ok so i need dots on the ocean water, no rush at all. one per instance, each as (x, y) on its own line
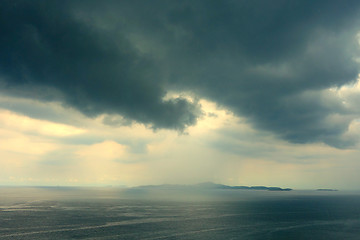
(70, 213)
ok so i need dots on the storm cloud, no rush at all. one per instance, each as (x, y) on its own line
(271, 62)
(47, 53)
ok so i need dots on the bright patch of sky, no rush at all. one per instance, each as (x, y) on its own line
(39, 152)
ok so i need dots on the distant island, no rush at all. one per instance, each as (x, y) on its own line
(327, 190)
(209, 186)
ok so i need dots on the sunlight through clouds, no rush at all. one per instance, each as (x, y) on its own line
(155, 92)
(22, 123)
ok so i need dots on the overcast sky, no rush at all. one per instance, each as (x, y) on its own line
(152, 92)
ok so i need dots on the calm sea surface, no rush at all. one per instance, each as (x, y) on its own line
(50, 213)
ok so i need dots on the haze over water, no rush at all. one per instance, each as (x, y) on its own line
(111, 213)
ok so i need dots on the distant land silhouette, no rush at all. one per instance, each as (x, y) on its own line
(210, 185)
(327, 190)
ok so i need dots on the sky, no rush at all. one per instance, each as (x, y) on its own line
(129, 93)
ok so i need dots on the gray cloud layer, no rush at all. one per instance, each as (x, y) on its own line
(265, 60)
(44, 46)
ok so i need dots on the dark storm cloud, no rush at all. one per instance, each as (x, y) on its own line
(44, 47)
(266, 60)
(261, 58)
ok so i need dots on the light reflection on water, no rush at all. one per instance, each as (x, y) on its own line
(98, 214)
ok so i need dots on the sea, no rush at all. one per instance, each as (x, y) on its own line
(113, 213)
